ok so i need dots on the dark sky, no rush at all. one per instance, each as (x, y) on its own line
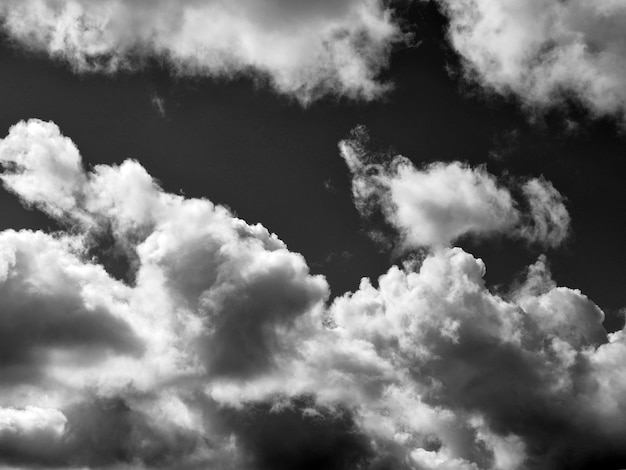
(145, 330)
(274, 162)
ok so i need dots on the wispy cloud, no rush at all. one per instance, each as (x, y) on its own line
(303, 49)
(544, 51)
(158, 102)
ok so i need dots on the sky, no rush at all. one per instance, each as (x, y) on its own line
(289, 234)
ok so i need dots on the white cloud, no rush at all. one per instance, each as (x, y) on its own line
(545, 50)
(490, 370)
(442, 202)
(549, 219)
(222, 351)
(305, 49)
(31, 420)
(212, 297)
(444, 374)
(46, 167)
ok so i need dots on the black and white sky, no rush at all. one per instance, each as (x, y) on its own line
(323, 234)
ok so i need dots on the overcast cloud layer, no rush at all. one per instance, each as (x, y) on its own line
(545, 50)
(220, 349)
(304, 49)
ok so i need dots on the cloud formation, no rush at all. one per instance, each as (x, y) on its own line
(442, 202)
(210, 297)
(304, 49)
(221, 350)
(544, 51)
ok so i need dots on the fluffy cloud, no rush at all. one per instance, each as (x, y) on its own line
(49, 165)
(506, 382)
(442, 202)
(305, 49)
(443, 374)
(220, 350)
(210, 296)
(546, 50)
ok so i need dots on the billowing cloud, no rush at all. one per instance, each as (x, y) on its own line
(544, 51)
(443, 374)
(442, 202)
(218, 349)
(304, 49)
(210, 296)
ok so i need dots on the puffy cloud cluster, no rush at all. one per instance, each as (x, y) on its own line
(220, 350)
(487, 381)
(443, 374)
(210, 297)
(545, 50)
(305, 49)
(442, 202)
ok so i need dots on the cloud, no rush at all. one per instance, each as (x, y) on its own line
(158, 103)
(442, 202)
(544, 51)
(548, 219)
(304, 49)
(32, 430)
(47, 167)
(501, 382)
(443, 374)
(51, 304)
(210, 297)
(219, 349)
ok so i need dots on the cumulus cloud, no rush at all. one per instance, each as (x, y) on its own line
(47, 167)
(304, 49)
(219, 349)
(443, 374)
(544, 51)
(210, 297)
(442, 202)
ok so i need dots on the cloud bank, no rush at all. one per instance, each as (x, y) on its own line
(220, 350)
(442, 202)
(544, 51)
(304, 49)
